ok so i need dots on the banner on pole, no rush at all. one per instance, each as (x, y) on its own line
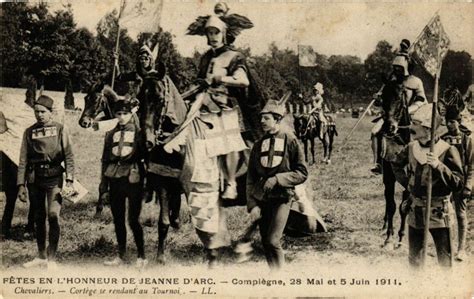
(432, 39)
(141, 15)
(306, 56)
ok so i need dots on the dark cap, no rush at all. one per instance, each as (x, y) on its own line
(45, 101)
(123, 106)
(452, 113)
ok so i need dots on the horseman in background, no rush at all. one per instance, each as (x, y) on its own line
(402, 66)
(318, 108)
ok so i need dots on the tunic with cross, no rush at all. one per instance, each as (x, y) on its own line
(275, 155)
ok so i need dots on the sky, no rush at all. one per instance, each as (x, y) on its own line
(330, 27)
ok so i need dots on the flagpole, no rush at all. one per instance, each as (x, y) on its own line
(117, 41)
(429, 189)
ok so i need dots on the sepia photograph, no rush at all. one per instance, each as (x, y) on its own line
(236, 148)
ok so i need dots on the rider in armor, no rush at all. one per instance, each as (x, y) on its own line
(223, 77)
(414, 92)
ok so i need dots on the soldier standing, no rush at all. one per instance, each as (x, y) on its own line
(461, 138)
(45, 146)
(447, 178)
(276, 166)
(122, 164)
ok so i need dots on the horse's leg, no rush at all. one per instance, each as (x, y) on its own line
(164, 220)
(325, 148)
(389, 193)
(330, 135)
(404, 209)
(305, 142)
(312, 150)
(175, 203)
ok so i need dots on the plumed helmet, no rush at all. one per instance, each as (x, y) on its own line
(145, 51)
(216, 22)
(401, 60)
(234, 23)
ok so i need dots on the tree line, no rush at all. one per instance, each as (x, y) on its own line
(44, 49)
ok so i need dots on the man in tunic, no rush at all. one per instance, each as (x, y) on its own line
(276, 166)
(45, 145)
(459, 137)
(411, 171)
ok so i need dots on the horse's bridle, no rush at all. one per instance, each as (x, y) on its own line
(102, 104)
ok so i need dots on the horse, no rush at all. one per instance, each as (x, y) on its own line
(149, 117)
(307, 129)
(395, 135)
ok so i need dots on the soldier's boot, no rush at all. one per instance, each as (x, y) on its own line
(230, 164)
(243, 250)
(212, 256)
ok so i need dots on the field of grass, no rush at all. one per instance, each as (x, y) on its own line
(345, 193)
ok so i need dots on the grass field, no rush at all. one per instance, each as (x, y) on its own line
(345, 193)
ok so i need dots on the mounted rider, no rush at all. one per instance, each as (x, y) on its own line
(414, 94)
(223, 78)
(318, 108)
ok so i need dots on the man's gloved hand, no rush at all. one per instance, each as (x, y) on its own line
(270, 184)
(22, 194)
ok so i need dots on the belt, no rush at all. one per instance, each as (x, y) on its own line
(435, 200)
(45, 165)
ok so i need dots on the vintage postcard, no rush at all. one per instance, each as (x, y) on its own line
(236, 149)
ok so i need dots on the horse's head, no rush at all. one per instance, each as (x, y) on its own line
(301, 123)
(100, 98)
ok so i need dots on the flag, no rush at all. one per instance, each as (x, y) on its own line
(306, 56)
(432, 39)
(141, 15)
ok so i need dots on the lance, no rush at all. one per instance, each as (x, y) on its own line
(117, 42)
(355, 126)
